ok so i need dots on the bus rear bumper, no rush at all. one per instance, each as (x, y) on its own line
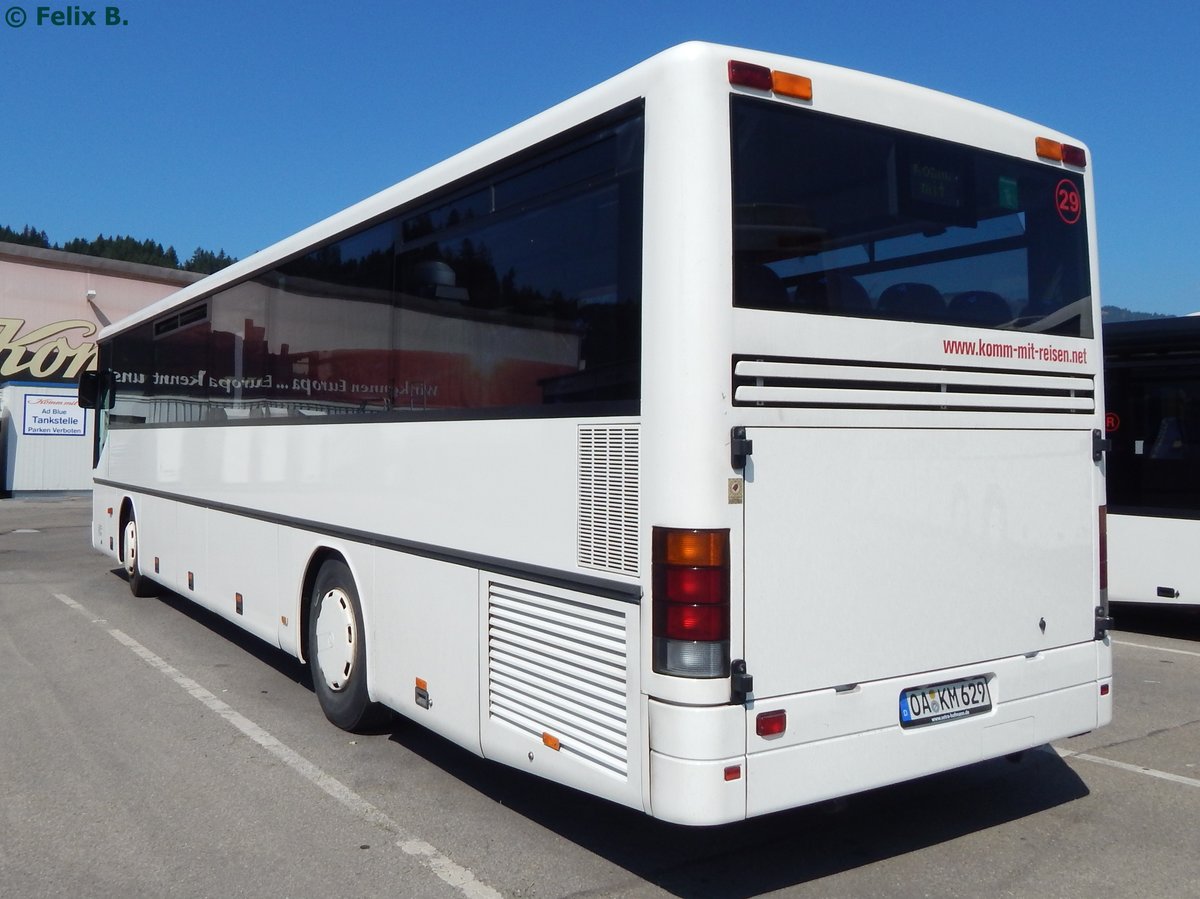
(708, 765)
(1048, 696)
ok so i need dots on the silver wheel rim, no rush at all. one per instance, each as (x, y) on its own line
(131, 548)
(336, 638)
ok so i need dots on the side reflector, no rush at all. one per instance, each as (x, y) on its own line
(1105, 689)
(552, 741)
(771, 724)
(733, 772)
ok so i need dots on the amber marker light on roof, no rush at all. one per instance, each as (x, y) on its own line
(792, 85)
(1049, 149)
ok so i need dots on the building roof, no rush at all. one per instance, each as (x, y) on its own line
(61, 259)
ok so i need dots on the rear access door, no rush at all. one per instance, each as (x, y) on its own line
(879, 552)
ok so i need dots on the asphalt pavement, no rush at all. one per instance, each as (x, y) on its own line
(147, 748)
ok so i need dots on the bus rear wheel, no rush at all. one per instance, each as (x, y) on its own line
(337, 654)
(139, 584)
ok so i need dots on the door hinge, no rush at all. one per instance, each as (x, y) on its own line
(1100, 445)
(740, 448)
(741, 684)
(1104, 622)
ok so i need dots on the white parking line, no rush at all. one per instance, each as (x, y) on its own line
(1178, 652)
(1125, 766)
(446, 869)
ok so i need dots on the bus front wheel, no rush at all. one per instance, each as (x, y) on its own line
(337, 655)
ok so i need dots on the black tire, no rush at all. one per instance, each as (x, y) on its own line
(337, 654)
(139, 584)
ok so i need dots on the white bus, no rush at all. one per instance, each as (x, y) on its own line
(1153, 468)
(721, 440)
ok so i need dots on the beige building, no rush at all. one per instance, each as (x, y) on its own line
(52, 306)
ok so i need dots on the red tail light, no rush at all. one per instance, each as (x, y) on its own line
(691, 602)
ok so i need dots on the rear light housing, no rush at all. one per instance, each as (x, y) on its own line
(691, 602)
(786, 84)
(1060, 152)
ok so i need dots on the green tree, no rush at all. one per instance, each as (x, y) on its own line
(28, 236)
(206, 261)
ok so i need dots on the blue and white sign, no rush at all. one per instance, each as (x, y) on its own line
(47, 415)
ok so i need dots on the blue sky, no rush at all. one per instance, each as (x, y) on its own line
(230, 125)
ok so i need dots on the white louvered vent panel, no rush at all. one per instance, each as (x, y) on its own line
(608, 498)
(559, 667)
(826, 384)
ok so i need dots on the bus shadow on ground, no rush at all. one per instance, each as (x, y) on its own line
(287, 665)
(776, 851)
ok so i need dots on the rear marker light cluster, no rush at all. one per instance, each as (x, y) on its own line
(691, 602)
(746, 74)
(1059, 152)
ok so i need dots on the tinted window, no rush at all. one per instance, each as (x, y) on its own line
(517, 294)
(1154, 425)
(835, 216)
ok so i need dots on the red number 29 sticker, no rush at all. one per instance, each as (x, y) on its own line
(1068, 201)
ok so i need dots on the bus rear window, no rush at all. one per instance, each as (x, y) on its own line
(840, 217)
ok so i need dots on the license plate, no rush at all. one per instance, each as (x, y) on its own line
(939, 703)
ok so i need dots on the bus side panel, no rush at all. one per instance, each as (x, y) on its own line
(425, 631)
(158, 539)
(1149, 560)
(242, 582)
(560, 687)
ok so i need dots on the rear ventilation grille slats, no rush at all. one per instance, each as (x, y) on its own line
(826, 384)
(560, 666)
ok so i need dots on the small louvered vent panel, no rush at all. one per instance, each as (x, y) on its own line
(608, 498)
(817, 383)
(559, 667)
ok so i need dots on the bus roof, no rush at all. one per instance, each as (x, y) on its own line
(874, 98)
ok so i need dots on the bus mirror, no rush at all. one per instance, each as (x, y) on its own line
(89, 389)
(95, 389)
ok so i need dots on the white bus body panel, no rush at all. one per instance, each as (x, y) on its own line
(1148, 554)
(959, 517)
